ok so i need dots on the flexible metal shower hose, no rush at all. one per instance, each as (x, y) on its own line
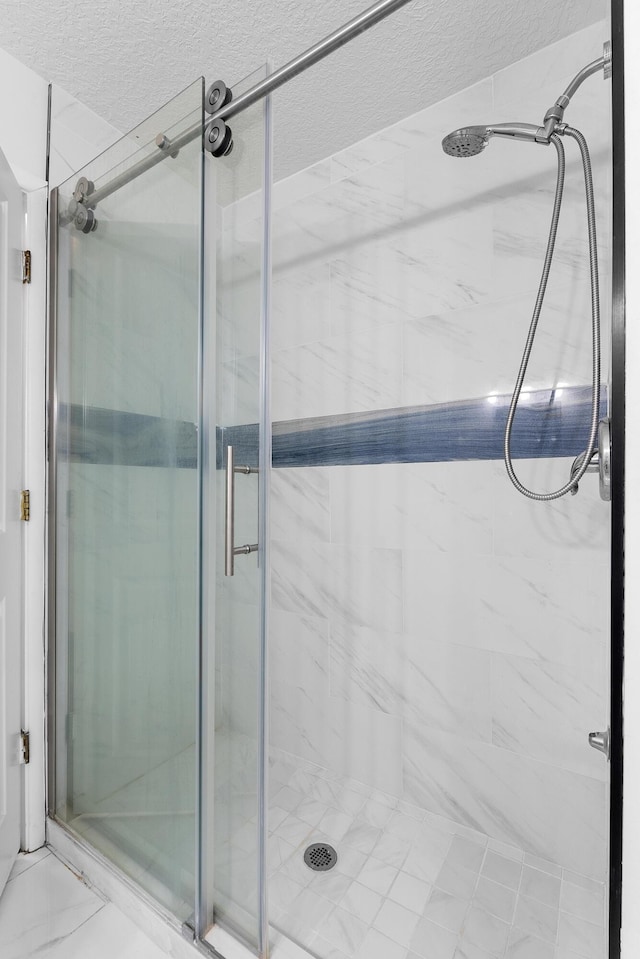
(595, 320)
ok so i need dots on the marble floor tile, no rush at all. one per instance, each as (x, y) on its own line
(345, 930)
(350, 862)
(324, 950)
(419, 886)
(467, 854)
(541, 886)
(495, 899)
(585, 903)
(107, 935)
(332, 885)
(378, 946)
(485, 931)
(392, 850)
(584, 938)
(466, 950)
(396, 922)
(536, 918)
(377, 875)
(505, 871)
(503, 849)
(445, 910)
(552, 868)
(46, 910)
(25, 861)
(456, 880)
(55, 901)
(524, 946)
(433, 942)
(363, 902)
(410, 892)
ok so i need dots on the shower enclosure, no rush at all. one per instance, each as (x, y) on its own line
(320, 676)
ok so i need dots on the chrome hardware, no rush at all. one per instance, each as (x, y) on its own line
(164, 143)
(81, 206)
(601, 742)
(600, 461)
(188, 929)
(218, 96)
(218, 139)
(230, 550)
(606, 57)
(84, 188)
(577, 464)
(604, 458)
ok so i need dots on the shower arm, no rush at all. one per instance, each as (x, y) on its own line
(555, 114)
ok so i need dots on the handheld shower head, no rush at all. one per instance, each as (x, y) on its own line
(469, 141)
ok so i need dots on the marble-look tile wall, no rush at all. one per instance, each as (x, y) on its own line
(433, 633)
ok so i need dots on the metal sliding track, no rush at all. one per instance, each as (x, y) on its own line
(368, 18)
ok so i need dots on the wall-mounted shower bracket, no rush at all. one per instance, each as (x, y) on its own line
(600, 461)
(218, 138)
(601, 742)
(604, 458)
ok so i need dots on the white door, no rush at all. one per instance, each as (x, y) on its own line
(11, 550)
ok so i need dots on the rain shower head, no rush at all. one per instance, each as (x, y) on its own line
(469, 141)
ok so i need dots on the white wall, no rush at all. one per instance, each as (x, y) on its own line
(23, 119)
(77, 134)
(23, 122)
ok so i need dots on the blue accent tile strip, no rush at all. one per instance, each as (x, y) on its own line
(549, 423)
(245, 441)
(89, 434)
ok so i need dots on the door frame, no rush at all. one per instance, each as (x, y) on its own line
(32, 833)
(617, 413)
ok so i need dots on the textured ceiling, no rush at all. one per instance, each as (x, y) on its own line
(124, 59)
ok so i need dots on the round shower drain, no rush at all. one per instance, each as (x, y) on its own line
(320, 856)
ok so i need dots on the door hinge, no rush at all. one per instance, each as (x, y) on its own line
(24, 747)
(25, 505)
(26, 266)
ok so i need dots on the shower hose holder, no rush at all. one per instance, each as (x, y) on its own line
(600, 461)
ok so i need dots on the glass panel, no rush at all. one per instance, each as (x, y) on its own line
(127, 510)
(234, 407)
(438, 643)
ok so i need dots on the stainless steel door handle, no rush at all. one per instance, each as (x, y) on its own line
(230, 549)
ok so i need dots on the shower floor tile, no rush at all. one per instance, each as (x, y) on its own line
(411, 885)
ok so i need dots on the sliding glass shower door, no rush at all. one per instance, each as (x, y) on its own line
(126, 508)
(236, 464)
(156, 731)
